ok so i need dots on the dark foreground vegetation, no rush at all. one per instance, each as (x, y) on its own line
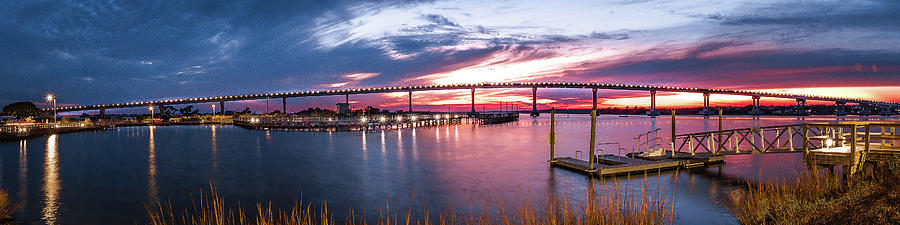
(872, 197)
(7, 208)
(604, 208)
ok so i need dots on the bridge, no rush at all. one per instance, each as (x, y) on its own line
(886, 107)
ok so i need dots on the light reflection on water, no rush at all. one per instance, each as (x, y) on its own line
(110, 174)
(152, 189)
(52, 182)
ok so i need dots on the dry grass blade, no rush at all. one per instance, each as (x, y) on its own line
(614, 207)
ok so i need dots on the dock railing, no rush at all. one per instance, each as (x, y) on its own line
(768, 139)
(823, 144)
(646, 142)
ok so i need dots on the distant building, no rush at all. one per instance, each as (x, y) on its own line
(343, 108)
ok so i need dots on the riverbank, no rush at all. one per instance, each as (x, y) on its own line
(872, 197)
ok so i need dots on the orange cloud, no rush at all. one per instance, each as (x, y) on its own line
(334, 85)
(360, 76)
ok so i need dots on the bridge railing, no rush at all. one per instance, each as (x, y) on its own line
(768, 139)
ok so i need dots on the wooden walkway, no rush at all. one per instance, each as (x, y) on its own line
(613, 165)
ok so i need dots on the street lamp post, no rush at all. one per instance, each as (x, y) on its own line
(151, 113)
(50, 98)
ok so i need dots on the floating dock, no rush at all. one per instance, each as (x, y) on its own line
(614, 165)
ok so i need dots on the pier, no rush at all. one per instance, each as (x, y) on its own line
(851, 145)
(374, 122)
(18, 132)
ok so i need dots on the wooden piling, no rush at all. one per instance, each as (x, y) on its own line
(593, 137)
(552, 136)
(721, 144)
(673, 132)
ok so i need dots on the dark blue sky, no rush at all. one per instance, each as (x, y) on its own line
(95, 52)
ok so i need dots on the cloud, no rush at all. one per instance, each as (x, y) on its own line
(141, 50)
(334, 85)
(360, 76)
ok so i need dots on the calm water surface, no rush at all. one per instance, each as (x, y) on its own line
(106, 177)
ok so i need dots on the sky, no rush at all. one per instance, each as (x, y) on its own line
(99, 52)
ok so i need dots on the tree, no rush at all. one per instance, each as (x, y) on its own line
(247, 111)
(25, 109)
(188, 110)
(167, 111)
(371, 110)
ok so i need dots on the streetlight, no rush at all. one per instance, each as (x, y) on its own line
(51, 98)
(151, 113)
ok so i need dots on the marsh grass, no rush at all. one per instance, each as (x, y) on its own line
(618, 206)
(7, 207)
(871, 197)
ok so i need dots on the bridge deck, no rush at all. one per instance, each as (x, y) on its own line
(354, 91)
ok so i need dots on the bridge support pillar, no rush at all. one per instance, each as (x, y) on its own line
(594, 106)
(102, 113)
(755, 111)
(284, 105)
(473, 101)
(653, 112)
(222, 107)
(840, 108)
(705, 111)
(534, 112)
(801, 107)
(410, 100)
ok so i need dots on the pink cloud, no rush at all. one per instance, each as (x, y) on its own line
(360, 76)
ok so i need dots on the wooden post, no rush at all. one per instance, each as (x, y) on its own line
(733, 142)
(790, 138)
(593, 136)
(805, 139)
(691, 144)
(673, 133)
(851, 166)
(865, 153)
(778, 144)
(552, 136)
(752, 141)
(762, 141)
(720, 134)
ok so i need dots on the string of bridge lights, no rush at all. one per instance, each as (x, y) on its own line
(469, 86)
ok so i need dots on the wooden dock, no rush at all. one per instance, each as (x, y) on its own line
(614, 165)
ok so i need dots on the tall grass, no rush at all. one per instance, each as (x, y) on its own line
(870, 197)
(618, 206)
(7, 207)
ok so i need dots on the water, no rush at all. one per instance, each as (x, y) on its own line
(106, 177)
